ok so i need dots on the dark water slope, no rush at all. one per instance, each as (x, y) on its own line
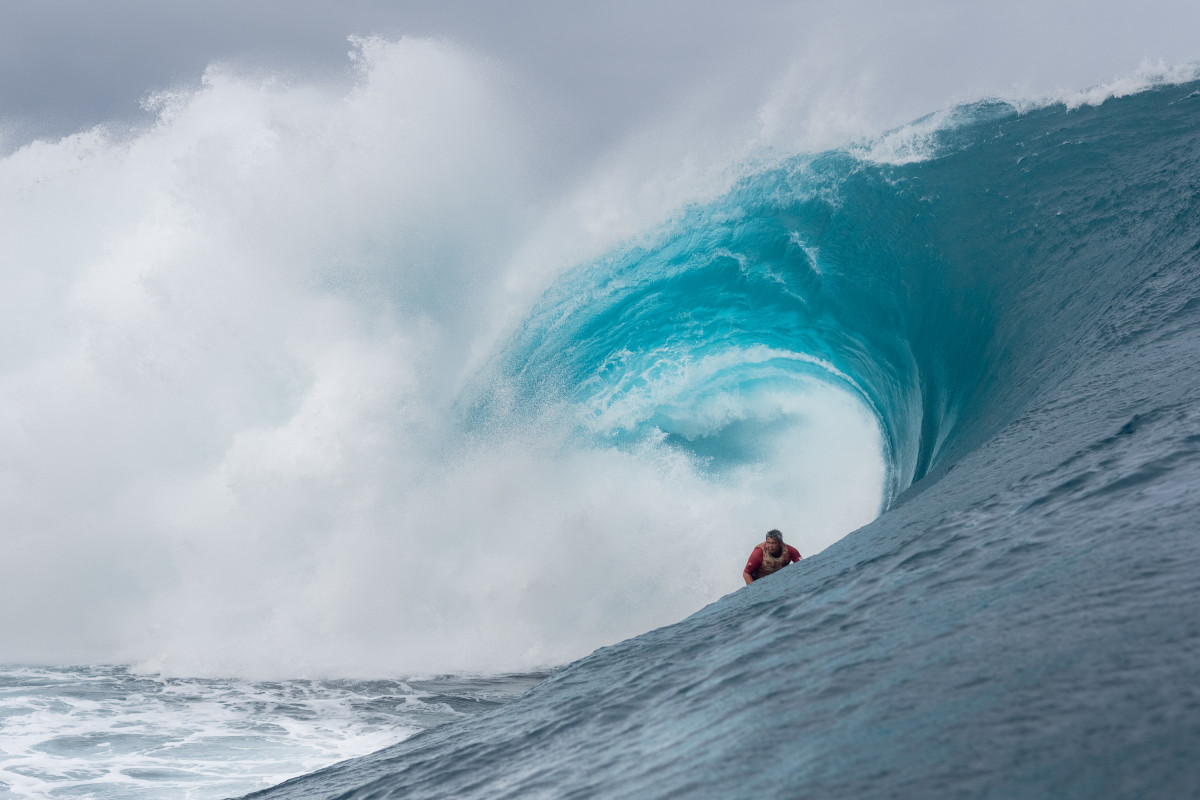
(1021, 309)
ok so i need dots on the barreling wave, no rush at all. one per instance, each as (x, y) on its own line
(1020, 309)
(906, 282)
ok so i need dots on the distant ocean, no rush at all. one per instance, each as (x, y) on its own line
(105, 732)
(264, 411)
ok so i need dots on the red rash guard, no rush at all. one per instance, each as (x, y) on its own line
(756, 559)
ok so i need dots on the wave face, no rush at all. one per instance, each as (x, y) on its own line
(1015, 295)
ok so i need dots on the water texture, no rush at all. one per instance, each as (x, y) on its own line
(107, 733)
(1015, 297)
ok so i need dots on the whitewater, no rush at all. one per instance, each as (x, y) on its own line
(305, 382)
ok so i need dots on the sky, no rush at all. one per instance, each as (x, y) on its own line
(65, 64)
(601, 69)
(249, 263)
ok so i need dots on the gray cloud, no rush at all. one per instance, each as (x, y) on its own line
(599, 69)
(68, 64)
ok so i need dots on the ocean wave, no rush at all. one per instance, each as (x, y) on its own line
(1022, 311)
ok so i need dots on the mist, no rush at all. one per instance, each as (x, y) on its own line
(235, 322)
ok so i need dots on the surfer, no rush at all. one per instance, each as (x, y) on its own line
(770, 556)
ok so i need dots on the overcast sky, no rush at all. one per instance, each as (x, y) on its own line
(602, 67)
(68, 64)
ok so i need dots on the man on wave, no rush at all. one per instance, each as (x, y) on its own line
(770, 556)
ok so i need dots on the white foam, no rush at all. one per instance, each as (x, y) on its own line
(1148, 75)
(911, 143)
(229, 350)
(918, 140)
(106, 733)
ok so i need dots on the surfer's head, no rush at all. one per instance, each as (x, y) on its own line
(774, 542)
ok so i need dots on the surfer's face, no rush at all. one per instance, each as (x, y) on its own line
(774, 547)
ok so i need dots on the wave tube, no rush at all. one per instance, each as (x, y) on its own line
(828, 271)
(1021, 307)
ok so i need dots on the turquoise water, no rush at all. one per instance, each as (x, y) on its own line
(1015, 297)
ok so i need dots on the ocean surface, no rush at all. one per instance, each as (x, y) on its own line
(105, 732)
(1014, 294)
(322, 382)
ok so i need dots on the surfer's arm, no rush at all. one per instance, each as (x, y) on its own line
(752, 565)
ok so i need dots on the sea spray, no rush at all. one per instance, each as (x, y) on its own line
(239, 351)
